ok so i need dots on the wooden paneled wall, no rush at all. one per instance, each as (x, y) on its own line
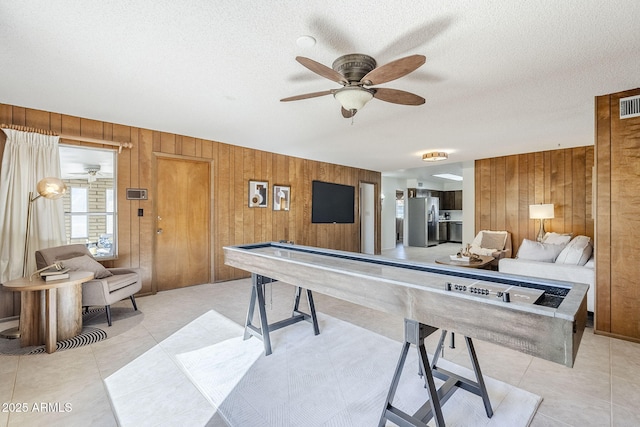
(234, 222)
(618, 219)
(506, 186)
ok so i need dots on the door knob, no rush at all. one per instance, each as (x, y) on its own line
(159, 231)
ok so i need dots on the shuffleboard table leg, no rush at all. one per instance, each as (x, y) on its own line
(480, 380)
(252, 305)
(298, 315)
(258, 299)
(312, 309)
(415, 333)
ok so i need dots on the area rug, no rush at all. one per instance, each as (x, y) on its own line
(206, 375)
(94, 329)
(338, 378)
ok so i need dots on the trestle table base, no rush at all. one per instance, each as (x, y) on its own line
(415, 333)
(257, 298)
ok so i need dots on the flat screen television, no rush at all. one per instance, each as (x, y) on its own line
(332, 203)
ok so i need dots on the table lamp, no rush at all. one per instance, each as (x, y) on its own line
(541, 212)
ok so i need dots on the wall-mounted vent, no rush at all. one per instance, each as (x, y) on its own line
(630, 107)
(137, 194)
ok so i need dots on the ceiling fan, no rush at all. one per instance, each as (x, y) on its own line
(356, 73)
(91, 171)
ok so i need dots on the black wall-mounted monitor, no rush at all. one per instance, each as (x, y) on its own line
(332, 203)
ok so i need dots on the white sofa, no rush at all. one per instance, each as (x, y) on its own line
(547, 261)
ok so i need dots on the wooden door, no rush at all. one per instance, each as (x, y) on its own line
(182, 254)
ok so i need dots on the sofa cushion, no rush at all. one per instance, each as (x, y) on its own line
(577, 252)
(537, 251)
(86, 263)
(557, 238)
(493, 240)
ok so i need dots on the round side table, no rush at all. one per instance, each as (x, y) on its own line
(47, 315)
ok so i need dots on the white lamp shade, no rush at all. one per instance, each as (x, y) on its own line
(542, 211)
(353, 98)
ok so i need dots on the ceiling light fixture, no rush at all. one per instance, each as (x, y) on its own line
(353, 98)
(435, 156)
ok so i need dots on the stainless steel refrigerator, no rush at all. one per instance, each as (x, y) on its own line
(423, 221)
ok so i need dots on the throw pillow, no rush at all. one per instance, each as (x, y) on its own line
(577, 252)
(557, 238)
(493, 240)
(86, 263)
(537, 251)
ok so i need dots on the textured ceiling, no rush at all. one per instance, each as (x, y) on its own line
(501, 77)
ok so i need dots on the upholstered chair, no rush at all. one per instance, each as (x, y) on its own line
(492, 243)
(109, 286)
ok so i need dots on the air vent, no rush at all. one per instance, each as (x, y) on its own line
(630, 107)
(137, 194)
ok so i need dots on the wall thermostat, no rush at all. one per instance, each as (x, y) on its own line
(136, 194)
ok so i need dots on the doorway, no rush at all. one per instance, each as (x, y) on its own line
(367, 218)
(183, 204)
(399, 216)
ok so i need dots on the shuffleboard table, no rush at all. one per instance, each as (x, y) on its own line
(540, 317)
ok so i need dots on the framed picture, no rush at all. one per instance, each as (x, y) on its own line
(281, 197)
(258, 194)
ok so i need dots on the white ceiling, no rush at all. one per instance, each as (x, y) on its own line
(501, 77)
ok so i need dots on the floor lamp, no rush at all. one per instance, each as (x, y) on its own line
(541, 212)
(49, 188)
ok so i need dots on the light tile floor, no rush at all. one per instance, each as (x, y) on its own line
(603, 388)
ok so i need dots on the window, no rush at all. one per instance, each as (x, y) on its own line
(110, 208)
(78, 212)
(90, 204)
(400, 208)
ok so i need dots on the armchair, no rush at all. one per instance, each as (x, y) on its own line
(492, 243)
(110, 284)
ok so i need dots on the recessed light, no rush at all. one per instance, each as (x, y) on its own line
(435, 156)
(450, 176)
(306, 41)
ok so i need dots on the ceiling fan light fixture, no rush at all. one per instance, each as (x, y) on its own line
(353, 98)
(435, 156)
(92, 171)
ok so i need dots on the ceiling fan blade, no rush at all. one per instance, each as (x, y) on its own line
(307, 95)
(322, 70)
(347, 114)
(393, 70)
(396, 96)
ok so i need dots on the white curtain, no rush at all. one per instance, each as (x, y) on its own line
(28, 157)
